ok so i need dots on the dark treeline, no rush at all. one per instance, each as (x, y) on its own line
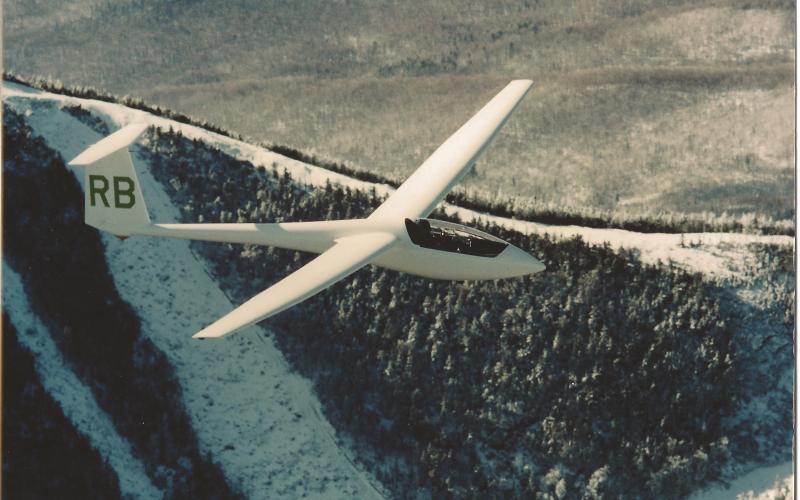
(666, 222)
(44, 455)
(86, 92)
(661, 222)
(66, 278)
(597, 378)
(88, 119)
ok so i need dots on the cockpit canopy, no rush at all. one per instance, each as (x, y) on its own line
(450, 237)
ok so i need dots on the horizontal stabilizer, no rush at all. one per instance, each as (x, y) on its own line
(122, 138)
(347, 256)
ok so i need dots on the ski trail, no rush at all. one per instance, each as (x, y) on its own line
(75, 398)
(246, 405)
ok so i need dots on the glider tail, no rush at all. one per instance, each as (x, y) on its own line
(113, 200)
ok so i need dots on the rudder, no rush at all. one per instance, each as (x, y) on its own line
(113, 200)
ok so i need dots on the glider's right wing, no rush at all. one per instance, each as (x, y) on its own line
(430, 183)
(347, 256)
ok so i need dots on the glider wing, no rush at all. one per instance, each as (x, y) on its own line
(430, 183)
(348, 255)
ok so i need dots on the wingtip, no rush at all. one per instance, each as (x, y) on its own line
(205, 334)
(523, 82)
(220, 328)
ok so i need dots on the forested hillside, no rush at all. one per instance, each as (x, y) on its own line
(599, 377)
(68, 283)
(640, 107)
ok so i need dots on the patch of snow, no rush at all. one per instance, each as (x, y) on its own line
(261, 422)
(75, 398)
(764, 483)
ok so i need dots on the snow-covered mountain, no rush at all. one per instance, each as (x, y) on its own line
(712, 253)
(258, 419)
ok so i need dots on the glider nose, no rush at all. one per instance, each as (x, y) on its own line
(537, 265)
(523, 261)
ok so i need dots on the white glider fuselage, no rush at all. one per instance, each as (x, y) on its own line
(397, 235)
(452, 260)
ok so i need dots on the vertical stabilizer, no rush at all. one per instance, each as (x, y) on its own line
(113, 200)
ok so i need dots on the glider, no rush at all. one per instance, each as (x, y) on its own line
(397, 235)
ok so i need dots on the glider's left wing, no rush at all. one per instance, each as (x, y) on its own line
(430, 183)
(347, 256)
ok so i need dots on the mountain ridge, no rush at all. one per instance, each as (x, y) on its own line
(179, 156)
(509, 208)
(643, 106)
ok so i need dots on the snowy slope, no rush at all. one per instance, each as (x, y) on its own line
(715, 254)
(75, 398)
(764, 483)
(259, 420)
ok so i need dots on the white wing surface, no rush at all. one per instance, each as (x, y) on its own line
(420, 193)
(347, 256)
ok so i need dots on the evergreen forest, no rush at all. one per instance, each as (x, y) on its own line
(600, 376)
